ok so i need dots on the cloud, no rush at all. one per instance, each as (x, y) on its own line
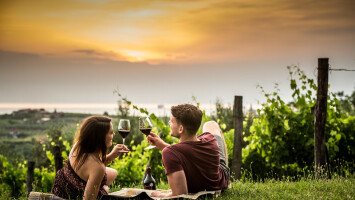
(16, 56)
(89, 52)
(187, 31)
(85, 51)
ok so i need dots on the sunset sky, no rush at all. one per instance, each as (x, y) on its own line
(165, 52)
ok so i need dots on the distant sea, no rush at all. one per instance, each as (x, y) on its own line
(94, 108)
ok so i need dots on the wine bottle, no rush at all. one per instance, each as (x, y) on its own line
(149, 181)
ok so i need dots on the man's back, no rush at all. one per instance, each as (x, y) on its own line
(200, 162)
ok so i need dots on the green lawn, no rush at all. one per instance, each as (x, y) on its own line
(335, 188)
(307, 188)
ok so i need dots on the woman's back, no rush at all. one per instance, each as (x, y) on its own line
(87, 181)
(91, 165)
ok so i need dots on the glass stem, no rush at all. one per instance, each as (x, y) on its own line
(124, 140)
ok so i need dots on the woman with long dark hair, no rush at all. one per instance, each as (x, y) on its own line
(85, 175)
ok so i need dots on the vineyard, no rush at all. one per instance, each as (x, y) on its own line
(278, 142)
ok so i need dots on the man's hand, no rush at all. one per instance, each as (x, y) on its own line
(155, 140)
(160, 194)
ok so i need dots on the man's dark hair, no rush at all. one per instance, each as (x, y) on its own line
(189, 116)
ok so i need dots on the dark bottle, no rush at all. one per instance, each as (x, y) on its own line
(149, 181)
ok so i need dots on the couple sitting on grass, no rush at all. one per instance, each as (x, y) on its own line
(196, 163)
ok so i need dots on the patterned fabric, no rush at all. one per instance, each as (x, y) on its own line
(69, 185)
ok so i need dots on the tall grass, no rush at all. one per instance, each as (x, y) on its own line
(340, 186)
(306, 185)
(307, 188)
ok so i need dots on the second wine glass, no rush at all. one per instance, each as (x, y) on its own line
(145, 126)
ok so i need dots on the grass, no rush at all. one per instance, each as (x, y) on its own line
(338, 187)
(307, 188)
(335, 188)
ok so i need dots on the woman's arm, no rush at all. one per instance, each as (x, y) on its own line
(96, 174)
(115, 153)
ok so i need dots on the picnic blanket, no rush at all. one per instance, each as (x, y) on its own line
(43, 196)
(131, 193)
(134, 193)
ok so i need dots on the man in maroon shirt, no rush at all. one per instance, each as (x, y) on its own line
(196, 163)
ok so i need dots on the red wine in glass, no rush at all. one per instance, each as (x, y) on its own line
(145, 126)
(124, 128)
(124, 133)
(145, 131)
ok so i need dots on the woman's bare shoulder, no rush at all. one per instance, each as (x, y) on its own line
(95, 168)
(94, 163)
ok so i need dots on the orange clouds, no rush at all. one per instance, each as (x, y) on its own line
(176, 31)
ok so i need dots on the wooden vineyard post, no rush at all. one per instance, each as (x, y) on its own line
(238, 136)
(30, 176)
(58, 159)
(320, 117)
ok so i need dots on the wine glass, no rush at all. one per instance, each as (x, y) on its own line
(124, 128)
(145, 126)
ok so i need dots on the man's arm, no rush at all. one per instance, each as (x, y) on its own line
(177, 183)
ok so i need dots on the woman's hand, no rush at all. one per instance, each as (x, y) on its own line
(116, 151)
